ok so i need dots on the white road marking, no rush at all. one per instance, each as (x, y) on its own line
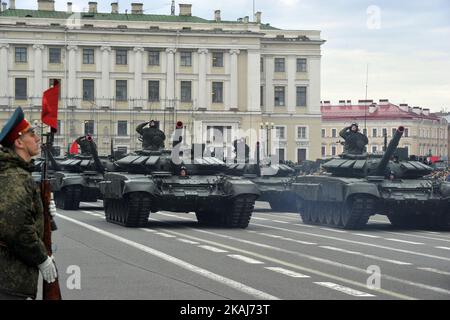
(279, 221)
(213, 249)
(334, 230)
(365, 235)
(403, 241)
(366, 255)
(257, 218)
(188, 241)
(345, 290)
(435, 271)
(445, 248)
(356, 242)
(181, 263)
(304, 225)
(418, 236)
(149, 230)
(288, 272)
(245, 259)
(166, 235)
(287, 239)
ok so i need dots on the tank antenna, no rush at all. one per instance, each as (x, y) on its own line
(365, 107)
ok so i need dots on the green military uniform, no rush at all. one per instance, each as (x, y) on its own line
(21, 227)
(152, 137)
(355, 142)
(84, 146)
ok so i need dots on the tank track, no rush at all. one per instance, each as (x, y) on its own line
(68, 198)
(236, 215)
(283, 204)
(132, 210)
(431, 221)
(353, 214)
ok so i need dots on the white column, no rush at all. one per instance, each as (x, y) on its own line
(313, 90)
(138, 76)
(253, 80)
(105, 95)
(269, 84)
(4, 74)
(291, 88)
(202, 89)
(72, 85)
(38, 74)
(170, 83)
(234, 85)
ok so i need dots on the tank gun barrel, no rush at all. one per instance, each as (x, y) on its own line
(390, 151)
(98, 164)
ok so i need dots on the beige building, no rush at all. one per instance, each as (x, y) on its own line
(424, 134)
(118, 70)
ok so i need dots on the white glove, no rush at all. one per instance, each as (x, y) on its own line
(52, 208)
(48, 270)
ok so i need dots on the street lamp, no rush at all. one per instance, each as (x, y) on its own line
(267, 126)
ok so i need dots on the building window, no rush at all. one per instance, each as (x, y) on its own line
(89, 127)
(324, 151)
(280, 154)
(280, 132)
(121, 90)
(374, 149)
(301, 96)
(279, 65)
(301, 155)
(153, 58)
(21, 88)
(302, 133)
(153, 91)
(261, 96)
(262, 64)
(88, 56)
(122, 128)
(88, 90)
(406, 134)
(384, 132)
(218, 134)
(21, 54)
(186, 59)
(279, 96)
(122, 56)
(301, 65)
(394, 130)
(365, 132)
(51, 82)
(217, 92)
(122, 150)
(333, 133)
(54, 55)
(374, 132)
(333, 150)
(186, 87)
(217, 59)
(324, 132)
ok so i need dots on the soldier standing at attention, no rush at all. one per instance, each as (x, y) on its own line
(152, 137)
(22, 251)
(355, 141)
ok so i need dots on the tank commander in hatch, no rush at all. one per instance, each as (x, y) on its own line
(355, 141)
(152, 138)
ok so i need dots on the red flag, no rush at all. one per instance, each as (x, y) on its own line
(73, 148)
(50, 107)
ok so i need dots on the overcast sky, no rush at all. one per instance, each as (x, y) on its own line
(406, 43)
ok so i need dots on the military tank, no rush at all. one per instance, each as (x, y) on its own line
(153, 180)
(355, 187)
(77, 178)
(273, 181)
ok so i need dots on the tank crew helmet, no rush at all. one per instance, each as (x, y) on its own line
(183, 171)
(152, 123)
(354, 124)
(16, 126)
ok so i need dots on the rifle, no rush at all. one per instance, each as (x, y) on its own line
(50, 291)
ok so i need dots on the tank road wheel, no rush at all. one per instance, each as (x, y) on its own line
(205, 218)
(131, 211)
(402, 220)
(238, 213)
(68, 198)
(305, 212)
(284, 203)
(315, 208)
(357, 212)
(329, 214)
(322, 211)
(336, 213)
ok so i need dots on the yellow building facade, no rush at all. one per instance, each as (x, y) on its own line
(231, 79)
